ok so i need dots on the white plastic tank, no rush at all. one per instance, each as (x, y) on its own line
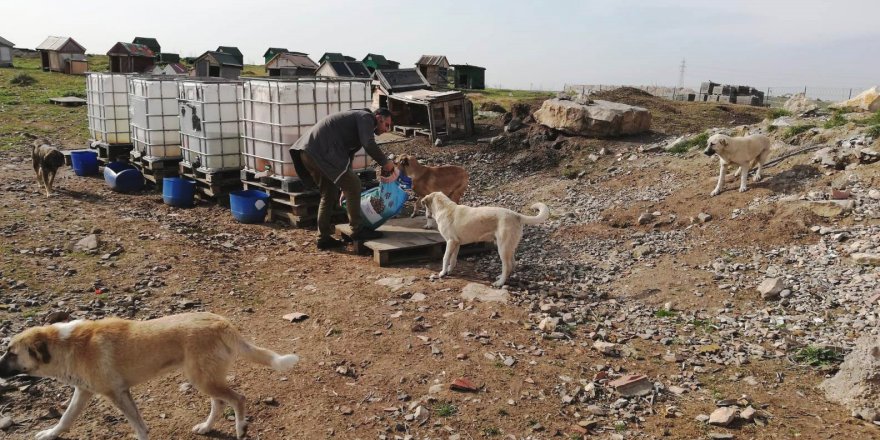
(210, 119)
(155, 125)
(276, 112)
(107, 102)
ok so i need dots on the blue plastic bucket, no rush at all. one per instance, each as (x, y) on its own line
(123, 177)
(249, 206)
(84, 163)
(177, 191)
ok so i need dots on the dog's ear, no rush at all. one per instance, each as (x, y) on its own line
(723, 141)
(39, 350)
(404, 161)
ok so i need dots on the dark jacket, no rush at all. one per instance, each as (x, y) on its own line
(334, 140)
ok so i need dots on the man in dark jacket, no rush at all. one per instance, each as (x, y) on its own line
(323, 157)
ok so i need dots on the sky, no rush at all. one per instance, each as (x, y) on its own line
(522, 44)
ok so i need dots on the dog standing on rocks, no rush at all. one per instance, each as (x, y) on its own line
(746, 152)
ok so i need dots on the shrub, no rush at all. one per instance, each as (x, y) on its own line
(795, 130)
(777, 113)
(23, 79)
(836, 120)
(687, 144)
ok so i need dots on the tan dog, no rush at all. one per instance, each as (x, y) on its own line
(47, 160)
(746, 151)
(459, 224)
(110, 356)
(450, 180)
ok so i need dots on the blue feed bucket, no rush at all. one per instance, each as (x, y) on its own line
(177, 191)
(123, 177)
(84, 163)
(249, 206)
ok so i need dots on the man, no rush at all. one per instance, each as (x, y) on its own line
(323, 157)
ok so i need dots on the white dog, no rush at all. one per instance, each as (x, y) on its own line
(746, 152)
(459, 224)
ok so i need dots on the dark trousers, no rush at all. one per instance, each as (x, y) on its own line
(349, 183)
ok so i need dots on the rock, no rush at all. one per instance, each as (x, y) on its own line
(548, 324)
(475, 291)
(646, 218)
(295, 317)
(606, 348)
(421, 414)
(87, 244)
(868, 101)
(722, 416)
(867, 414)
(641, 251)
(865, 259)
(874, 194)
(418, 297)
(747, 414)
(704, 217)
(798, 104)
(831, 208)
(396, 284)
(598, 119)
(632, 385)
(463, 384)
(721, 436)
(702, 418)
(436, 389)
(5, 423)
(770, 288)
(514, 125)
(346, 411)
(856, 385)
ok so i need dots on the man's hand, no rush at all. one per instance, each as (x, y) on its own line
(388, 168)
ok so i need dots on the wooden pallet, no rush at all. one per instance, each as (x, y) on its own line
(68, 101)
(213, 187)
(111, 152)
(154, 170)
(405, 241)
(298, 209)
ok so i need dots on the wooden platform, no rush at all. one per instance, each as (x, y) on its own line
(109, 153)
(68, 101)
(406, 240)
(212, 186)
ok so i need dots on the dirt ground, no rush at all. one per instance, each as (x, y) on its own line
(156, 260)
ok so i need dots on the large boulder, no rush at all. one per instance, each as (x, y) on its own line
(597, 119)
(868, 101)
(799, 104)
(857, 384)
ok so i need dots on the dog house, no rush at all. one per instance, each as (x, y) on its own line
(5, 52)
(107, 108)
(343, 69)
(437, 115)
(217, 65)
(155, 126)
(434, 68)
(469, 77)
(389, 82)
(63, 54)
(276, 112)
(291, 64)
(131, 58)
(210, 119)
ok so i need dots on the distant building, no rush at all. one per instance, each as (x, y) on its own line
(217, 64)
(131, 58)
(389, 82)
(346, 69)
(5, 52)
(271, 52)
(466, 76)
(232, 50)
(291, 64)
(335, 56)
(434, 68)
(63, 54)
(172, 69)
(376, 62)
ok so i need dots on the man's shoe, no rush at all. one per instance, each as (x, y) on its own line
(366, 234)
(325, 243)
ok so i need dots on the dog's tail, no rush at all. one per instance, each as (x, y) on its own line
(543, 215)
(269, 358)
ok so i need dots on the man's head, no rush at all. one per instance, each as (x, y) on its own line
(383, 120)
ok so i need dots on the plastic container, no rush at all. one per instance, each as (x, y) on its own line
(107, 108)
(123, 177)
(210, 124)
(155, 125)
(276, 112)
(177, 191)
(249, 206)
(84, 163)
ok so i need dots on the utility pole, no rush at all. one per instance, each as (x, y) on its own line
(681, 75)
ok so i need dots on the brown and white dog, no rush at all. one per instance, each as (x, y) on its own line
(459, 224)
(746, 151)
(449, 179)
(47, 159)
(110, 356)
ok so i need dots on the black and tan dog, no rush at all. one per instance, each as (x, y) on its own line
(110, 356)
(47, 160)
